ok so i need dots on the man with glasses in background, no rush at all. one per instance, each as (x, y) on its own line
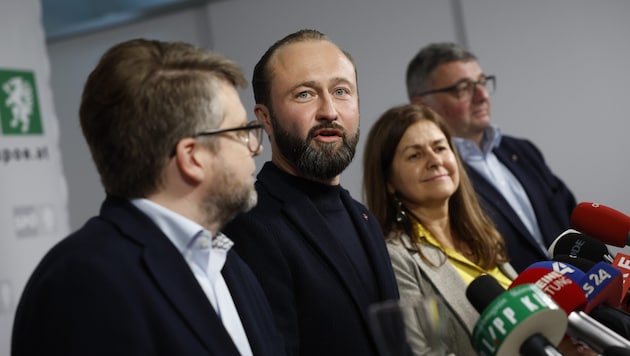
(528, 203)
(152, 274)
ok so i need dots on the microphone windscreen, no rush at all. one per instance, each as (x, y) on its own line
(576, 244)
(482, 291)
(601, 222)
(578, 262)
(622, 263)
(602, 284)
(564, 291)
(514, 316)
(576, 274)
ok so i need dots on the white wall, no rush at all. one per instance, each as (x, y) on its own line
(71, 62)
(33, 194)
(561, 79)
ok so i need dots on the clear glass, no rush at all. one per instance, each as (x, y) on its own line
(389, 321)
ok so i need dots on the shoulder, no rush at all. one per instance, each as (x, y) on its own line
(400, 249)
(520, 145)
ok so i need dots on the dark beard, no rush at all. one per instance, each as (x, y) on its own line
(315, 160)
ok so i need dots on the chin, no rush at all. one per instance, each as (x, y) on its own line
(251, 201)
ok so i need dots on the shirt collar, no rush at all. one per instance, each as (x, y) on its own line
(449, 252)
(181, 231)
(467, 148)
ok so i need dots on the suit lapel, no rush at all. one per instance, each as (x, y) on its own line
(449, 285)
(493, 197)
(305, 217)
(317, 234)
(375, 248)
(249, 302)
(173, 276)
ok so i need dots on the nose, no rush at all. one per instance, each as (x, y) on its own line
(433, 160)
(480, 93)
(327, 109)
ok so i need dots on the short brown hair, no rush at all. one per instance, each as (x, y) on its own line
(141, 99)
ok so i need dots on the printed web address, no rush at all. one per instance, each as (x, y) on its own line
(24, 154)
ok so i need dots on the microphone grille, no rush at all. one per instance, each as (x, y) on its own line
(482, 291)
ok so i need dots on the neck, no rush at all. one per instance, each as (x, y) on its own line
(186, 204)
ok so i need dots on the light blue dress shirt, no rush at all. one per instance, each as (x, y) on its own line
(206, 257)
(484, 161)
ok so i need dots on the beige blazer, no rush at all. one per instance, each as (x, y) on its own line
(416, 279)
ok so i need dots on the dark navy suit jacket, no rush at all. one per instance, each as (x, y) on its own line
(118, 286)
(551, 199)
(318, 300)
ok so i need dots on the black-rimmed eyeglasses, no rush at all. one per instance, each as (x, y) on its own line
(250, 134)
(465, 89)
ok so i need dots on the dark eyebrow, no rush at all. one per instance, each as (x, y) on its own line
(468, 80)
(309, 84)
(417, 146)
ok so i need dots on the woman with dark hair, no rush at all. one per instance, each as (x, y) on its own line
(438, 237)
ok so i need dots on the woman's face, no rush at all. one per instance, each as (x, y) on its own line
(424, 169)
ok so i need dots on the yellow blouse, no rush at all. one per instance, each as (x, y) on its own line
(466, 268)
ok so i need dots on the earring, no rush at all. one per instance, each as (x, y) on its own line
(400, 213)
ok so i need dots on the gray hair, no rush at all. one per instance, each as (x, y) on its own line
(421, 67)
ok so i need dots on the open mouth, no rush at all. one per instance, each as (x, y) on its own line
(328, 133)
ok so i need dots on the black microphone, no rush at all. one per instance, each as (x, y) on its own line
(616, 351)
(522, 320)
(616, 319)
(582, 264)
(576, 244)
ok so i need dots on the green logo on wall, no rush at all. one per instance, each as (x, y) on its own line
(19, 107)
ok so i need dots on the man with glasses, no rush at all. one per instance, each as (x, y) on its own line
(528, 203)
(152, 274)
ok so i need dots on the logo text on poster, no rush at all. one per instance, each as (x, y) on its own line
(19, 105)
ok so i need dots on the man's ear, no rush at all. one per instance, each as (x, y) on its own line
(263, 115)
(188, 158)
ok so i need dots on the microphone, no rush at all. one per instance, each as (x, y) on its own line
(602, 284)
(593, 333)
(616, 319)
(570, 296)
(575, 244)
(578, 262)
(603, 223)
(622, 263)
(564, 291)
(616, 351)
(568, 269)
(523, 318)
